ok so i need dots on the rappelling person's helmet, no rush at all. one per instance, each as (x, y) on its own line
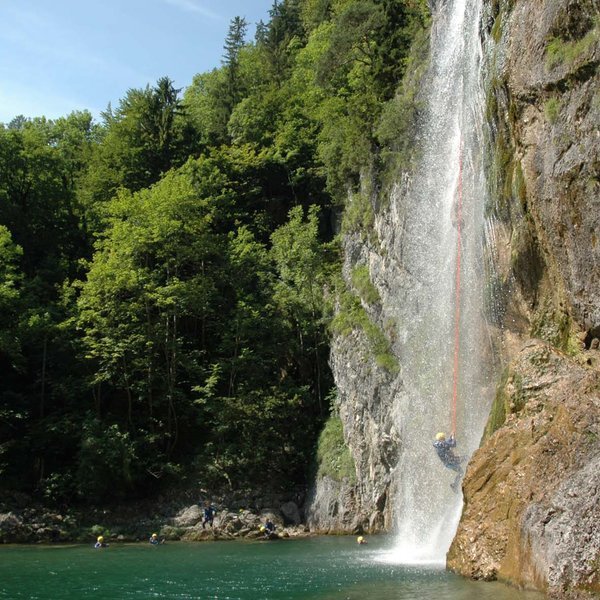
(441, 436)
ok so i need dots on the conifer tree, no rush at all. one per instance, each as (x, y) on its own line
(234, 42)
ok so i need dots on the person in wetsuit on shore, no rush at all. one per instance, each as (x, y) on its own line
(209, 515)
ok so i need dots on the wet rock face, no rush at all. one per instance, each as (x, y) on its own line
(552, 54)
(532, 491)
(366, 397)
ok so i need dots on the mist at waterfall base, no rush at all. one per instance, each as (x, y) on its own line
(445, 350)
(323, 568)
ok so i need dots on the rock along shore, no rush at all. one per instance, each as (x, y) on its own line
(22, 522)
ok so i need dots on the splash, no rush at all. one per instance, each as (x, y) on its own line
(452, 142)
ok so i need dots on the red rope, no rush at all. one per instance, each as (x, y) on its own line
(457, 293)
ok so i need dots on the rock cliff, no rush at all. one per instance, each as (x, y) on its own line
(366, 391)
(532, 490)
(531, 493)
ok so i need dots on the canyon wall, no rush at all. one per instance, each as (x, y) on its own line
(532, 489)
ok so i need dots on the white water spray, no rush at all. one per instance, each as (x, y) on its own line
(426, 510)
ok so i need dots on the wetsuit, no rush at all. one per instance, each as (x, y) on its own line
(209, 515)
(449, 459)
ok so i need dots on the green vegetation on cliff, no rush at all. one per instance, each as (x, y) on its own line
(333, 456)
(163, 273)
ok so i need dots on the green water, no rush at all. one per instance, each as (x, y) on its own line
(324, 568)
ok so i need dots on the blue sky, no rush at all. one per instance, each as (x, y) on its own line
(57, 56)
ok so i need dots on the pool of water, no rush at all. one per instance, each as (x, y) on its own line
(324, 568)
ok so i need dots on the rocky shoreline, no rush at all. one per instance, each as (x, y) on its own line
(172, 520)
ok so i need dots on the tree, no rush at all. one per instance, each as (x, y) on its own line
(283, 37)
(162, 273)
(146, 311)
(205, 110)
(41, 162)
(302, 265)
(143, 138)
(231, 60)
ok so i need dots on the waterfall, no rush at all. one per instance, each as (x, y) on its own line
(426, 510)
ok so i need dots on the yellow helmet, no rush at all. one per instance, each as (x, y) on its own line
(100, 538)
(440, 436)
(360, 539)
(154, 535)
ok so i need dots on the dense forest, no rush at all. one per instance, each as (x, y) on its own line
(169, 275)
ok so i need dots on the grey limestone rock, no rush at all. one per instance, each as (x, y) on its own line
(188, 517)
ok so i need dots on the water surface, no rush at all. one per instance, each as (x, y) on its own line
(325, 568)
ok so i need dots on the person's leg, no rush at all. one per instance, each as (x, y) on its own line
(458, 469)
(456, 483)
(455, 466)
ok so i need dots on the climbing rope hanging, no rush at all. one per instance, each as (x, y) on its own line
(457, 290)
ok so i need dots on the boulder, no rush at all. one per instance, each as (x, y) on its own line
(9, 522)
(197, 534)
(291, 513)
(188, 517)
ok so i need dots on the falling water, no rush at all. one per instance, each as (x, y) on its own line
(426, 509)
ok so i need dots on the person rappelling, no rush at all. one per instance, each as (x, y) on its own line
(445, 450)
(445, 447)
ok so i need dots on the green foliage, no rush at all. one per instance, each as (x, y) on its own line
(363, 55)
(568, 52)
(359, 215)
(97, 530)
(314, 12)
(497, 28)
(552, 109)
(283, 37)
(10, 277)
(398, 122)
(506, 401)
(351, 316)
(557, 328)
(106, 462)
(205, 111)
(499, 408)
(333, 456)
(142, 139)
(519, 188)
(361, 280)
(164, 273)
(233, 90)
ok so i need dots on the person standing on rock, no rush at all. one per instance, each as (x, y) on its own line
(209, 515)
(445, 450)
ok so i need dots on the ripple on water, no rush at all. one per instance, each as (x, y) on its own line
(315, 569)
